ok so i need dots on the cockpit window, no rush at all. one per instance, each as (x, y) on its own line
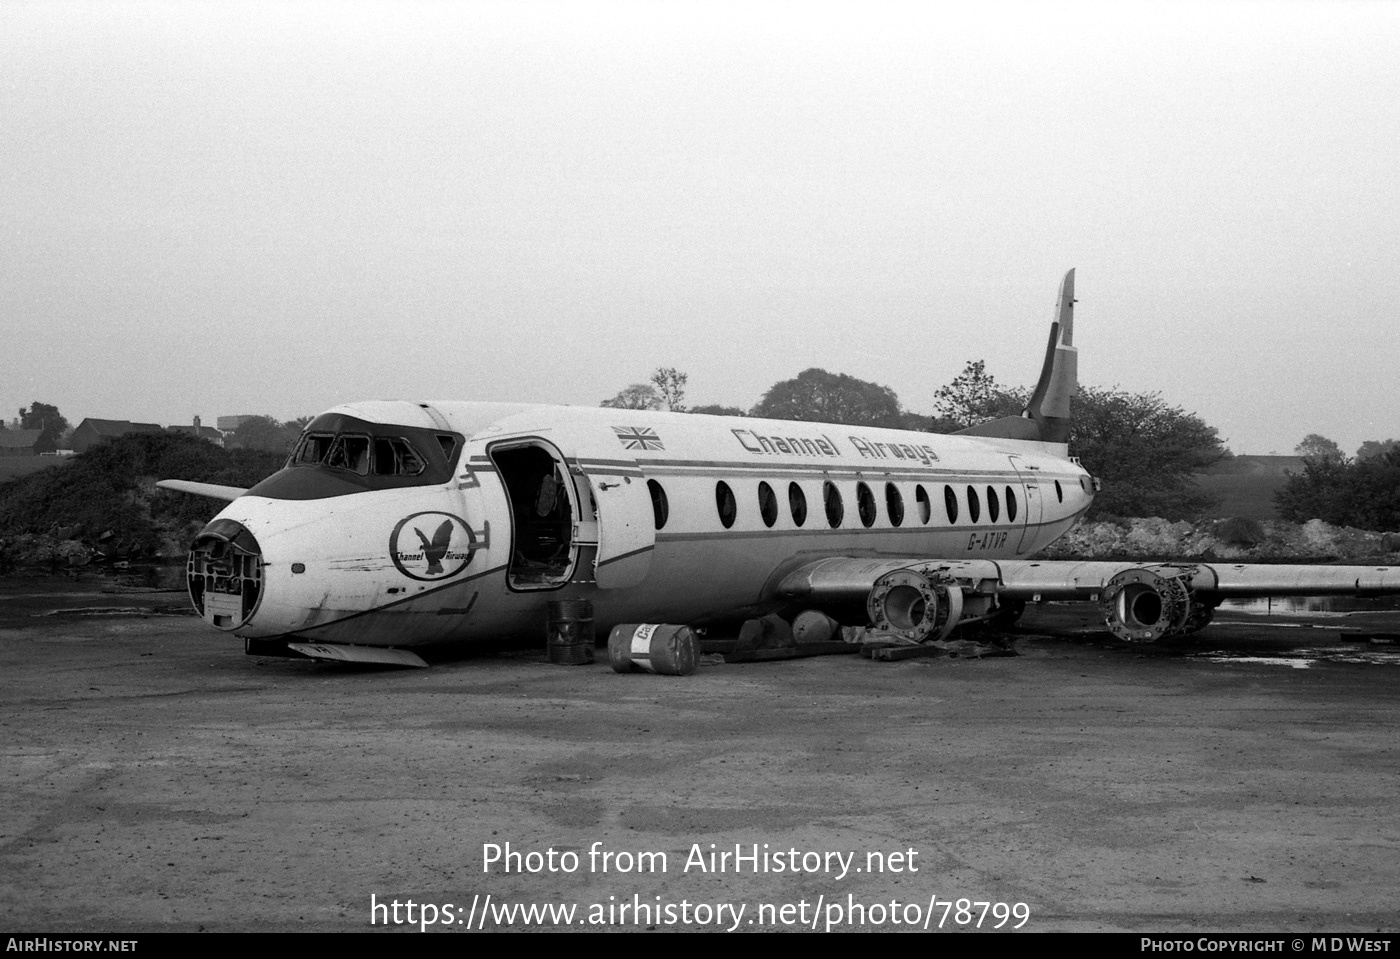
(312, 449)
(395, 456)
(362, 455)
(351, 453)
(341, 454)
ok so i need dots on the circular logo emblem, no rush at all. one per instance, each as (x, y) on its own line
(431, 546)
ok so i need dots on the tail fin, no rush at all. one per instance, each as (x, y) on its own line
(1047, 413)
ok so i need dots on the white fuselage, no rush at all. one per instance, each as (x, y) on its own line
(653, 517)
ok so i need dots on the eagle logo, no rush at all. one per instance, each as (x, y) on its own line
(437, 549)
(445, 554)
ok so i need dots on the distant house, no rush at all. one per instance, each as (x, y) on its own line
(229, 424)
(91, 431)
(19, 442)
(203, 432)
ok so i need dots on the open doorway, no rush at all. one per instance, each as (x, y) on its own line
(542, 514)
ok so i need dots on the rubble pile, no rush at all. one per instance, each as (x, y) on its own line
(1221, 539)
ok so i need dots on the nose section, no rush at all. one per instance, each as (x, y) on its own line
(225, 574)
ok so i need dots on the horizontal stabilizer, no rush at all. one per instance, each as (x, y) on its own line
(359, 654)
(211, 490)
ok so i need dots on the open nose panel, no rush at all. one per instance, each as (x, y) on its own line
(224, 573)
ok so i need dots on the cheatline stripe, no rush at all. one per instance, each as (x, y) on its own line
(850, 530)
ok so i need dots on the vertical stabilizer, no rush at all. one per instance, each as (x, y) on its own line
(1046, 416)
(1049, 404)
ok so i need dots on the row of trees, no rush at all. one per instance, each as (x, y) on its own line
(1145, 450)
(267, 434)
(1363, 491)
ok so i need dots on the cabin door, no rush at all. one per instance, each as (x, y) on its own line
(626, 525)
(544, 513)
(1029, 520)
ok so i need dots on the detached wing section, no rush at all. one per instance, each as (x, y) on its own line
(1140, 602)
(211, 490)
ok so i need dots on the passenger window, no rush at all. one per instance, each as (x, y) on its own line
(797, 504)
(950, 503)
(1010, 505)
(974, 508)
(660, 508)
(724, 502)
(835, 509)
(767, 504)
(894, 504)
(1059, 493)
(865, 505)
(925, 507)
(993, 506)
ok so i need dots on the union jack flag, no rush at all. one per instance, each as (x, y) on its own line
(638, 438)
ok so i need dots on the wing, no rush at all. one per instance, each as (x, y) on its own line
(1140, 602)
(211, 490)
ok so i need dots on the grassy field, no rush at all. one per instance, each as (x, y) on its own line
(1245, 485)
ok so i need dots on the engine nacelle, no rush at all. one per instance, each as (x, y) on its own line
(925, 604)
(1143, 605)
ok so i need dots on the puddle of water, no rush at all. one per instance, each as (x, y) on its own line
(1304, 658)
(1320, 606)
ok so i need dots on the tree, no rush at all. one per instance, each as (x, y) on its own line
(819, 396)
(1315, 446)
(1144, 451)
(714, 409)
(48, 420)
(1364, 493)
(638, 396)
(292, 430)
(1372, 448)
(974, 397)
(260, 433)
(670, 383)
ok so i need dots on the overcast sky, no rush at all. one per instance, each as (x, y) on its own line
(276, 207)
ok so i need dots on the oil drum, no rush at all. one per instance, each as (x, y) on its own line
(655, 648)
(569, 634)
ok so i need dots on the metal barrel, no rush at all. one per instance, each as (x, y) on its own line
(655, 648)
(569, 633)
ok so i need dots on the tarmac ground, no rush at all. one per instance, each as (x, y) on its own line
(156, 778)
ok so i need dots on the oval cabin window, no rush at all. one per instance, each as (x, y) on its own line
(767, 505)
(797, 504)
(660, 508)
(865, 505)
(724, 502)
(950, 504)
(894, 504)
(835, 509)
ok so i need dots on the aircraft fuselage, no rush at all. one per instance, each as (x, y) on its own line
(405, 524)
